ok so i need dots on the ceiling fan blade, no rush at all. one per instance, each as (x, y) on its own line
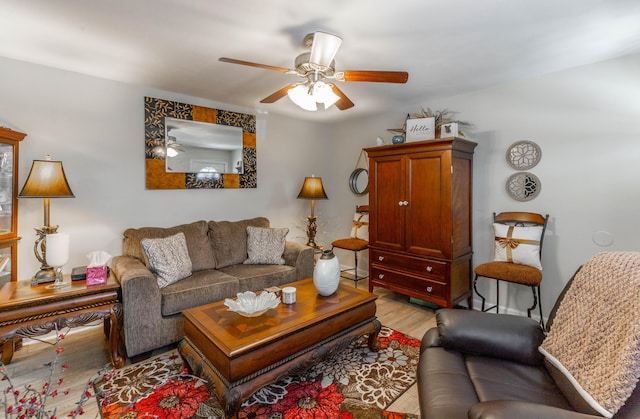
(376, 76)
(250, 64)
(279, 94)
(344, 102)
(324, 48)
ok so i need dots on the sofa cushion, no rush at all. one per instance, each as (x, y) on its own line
(229, 239)
(265, 246)
(200, 250)
(202, 287)
(168, 258)
(499, 379)
(259, 277)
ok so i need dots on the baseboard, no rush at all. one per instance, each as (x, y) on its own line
(477, 304)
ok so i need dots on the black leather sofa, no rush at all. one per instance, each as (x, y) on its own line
(484, 365)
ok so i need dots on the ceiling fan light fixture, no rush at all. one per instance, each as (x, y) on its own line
(301, 97)
(323, 93)
(324, 48)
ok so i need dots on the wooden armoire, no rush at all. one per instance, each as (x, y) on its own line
(420, 219)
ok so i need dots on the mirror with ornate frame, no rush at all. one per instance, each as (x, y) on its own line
(212, 159)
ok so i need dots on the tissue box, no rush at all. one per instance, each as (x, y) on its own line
(96, 275)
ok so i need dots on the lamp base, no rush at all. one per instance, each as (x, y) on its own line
(312, 228)
(44, 276)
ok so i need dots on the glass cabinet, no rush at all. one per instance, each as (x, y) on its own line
(9, 143)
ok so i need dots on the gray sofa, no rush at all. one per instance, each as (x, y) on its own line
(152, 315)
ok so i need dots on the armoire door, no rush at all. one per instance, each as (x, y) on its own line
(428, 220)
(386, 203)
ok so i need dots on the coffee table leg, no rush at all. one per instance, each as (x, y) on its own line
(373, 336)
(232, 401)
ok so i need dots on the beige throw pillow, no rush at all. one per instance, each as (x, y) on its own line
(360, 226)
(519, 245)
(265, 246)
(168, 258)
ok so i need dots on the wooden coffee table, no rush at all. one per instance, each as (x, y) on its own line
(242, 354)
(32, 310)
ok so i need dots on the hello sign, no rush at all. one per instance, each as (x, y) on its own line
(420, 129)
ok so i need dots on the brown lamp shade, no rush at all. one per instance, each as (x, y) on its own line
(312, 189)
(46, 180)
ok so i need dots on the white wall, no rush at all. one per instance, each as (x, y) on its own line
(96, 127)
(585, 120)
(587, 123)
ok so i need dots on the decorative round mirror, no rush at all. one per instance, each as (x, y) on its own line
(359, 181)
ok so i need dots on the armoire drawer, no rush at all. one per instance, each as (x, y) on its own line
(419, 265)
(422, 285)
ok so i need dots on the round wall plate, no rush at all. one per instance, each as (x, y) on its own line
(523, 186)
(523, 155)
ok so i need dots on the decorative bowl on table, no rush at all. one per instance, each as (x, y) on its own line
(248, 304)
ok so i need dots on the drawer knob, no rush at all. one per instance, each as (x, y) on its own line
(380, 258)
(401, 203)
(429, 289)
(429, 268)
(380, 276)
(405, 203)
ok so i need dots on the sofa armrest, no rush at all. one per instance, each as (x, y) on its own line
(431, 339)
(515, 338)
(300, 257)
(503, 409)
(141, 298)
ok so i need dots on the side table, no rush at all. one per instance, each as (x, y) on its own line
(27, 311)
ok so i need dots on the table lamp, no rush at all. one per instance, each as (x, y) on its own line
(46, 180)
(312, 189)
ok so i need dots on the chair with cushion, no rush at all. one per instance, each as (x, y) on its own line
(357, 242)
(517, 255)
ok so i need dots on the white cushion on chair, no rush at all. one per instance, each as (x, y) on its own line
(360, 226)
(517, 244)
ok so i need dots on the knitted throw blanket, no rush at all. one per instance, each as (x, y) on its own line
(595, 337)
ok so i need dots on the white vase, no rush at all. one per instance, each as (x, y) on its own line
(326, 273)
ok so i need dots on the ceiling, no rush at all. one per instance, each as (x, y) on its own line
(448, 47)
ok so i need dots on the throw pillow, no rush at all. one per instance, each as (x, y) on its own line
(265, 246)
(517, 244)
(168, 258)
(360, 226)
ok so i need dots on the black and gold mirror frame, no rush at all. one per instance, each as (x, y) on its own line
(157, 177)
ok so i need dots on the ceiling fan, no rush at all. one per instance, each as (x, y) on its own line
(173, 147)
(317, 69)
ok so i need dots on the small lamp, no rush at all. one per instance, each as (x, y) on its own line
(46, 180)
(312, 189)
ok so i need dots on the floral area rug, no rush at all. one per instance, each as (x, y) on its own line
(354, 383)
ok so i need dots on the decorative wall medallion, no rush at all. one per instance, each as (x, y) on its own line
(523, 155)
(523, 186)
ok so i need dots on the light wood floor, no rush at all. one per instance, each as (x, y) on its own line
(86, 352)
